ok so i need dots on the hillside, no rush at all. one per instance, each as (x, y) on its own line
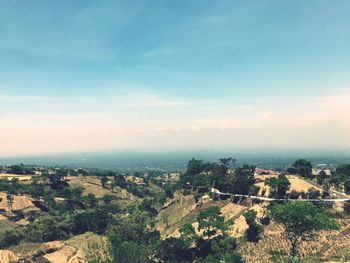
(74, 215)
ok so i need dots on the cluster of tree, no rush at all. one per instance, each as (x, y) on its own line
(134, 240)
(339, 179)
(20, 169)
(14, 187)
(342, 177)
(279, 186)
(302, 167)
(202, 176)
(58, 226)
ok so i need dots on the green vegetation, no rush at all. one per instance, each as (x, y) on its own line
(202, 176)
(342, 177)
(243, 180)
(212, 245)
(301, 220)
(279, 186)
(303, 167)
(254, 229)
(132, 230)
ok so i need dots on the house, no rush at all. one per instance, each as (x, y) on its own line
(265, 172)
(316, 172)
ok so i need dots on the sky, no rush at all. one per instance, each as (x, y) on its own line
(158, 75)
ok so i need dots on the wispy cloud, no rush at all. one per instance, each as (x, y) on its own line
(111, 104)
(213, 127)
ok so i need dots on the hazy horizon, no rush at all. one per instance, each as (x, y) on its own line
(124, 76)
(177, 160)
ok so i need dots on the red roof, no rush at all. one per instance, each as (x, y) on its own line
(259, 171)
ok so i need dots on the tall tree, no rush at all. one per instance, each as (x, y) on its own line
(104, 180)
(195, 167)
(279, 186)
(254, 230)
(301, 220)
(344, 170)
(10, 199)
(243, 179)
(228, 162)
(347, 186)
(192, 176)
(210, 221)
(321, 177)
(56, 179)
(303, 168)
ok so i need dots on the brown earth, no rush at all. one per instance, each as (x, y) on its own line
(73, 250)
(7, 256)
(326, 245)
(20, 202)
(92, 184)
(296, 184)
(12, 176)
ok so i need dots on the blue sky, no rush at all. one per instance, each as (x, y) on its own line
(130, 69)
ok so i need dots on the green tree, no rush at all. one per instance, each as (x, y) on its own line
(36, 190)
(104, 181)
(344, 171)
(347, 186)
(321, 177)
(243, 179)
(15, 186)
(279, 186)
(325, 188)
(227, 161)
(313, 193)
(195, 167)
(16, 169)
(233, 258)
(9, 238)
(335, 180)
(174, 250)
(10, 199)
(169, 190)
(91, 200)
(254, 229)
(210, 221)
(303, 168)
(56, 180)
(47, 228)
(218, 176)
(95, 220)
(301, 220)
(107, 199)
(188, 234)
(50, 201)
(212, 245)
(131, 238)
(119, 180)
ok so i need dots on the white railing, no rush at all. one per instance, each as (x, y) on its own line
(216, 191)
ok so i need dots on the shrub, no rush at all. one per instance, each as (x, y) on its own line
(10, 238)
